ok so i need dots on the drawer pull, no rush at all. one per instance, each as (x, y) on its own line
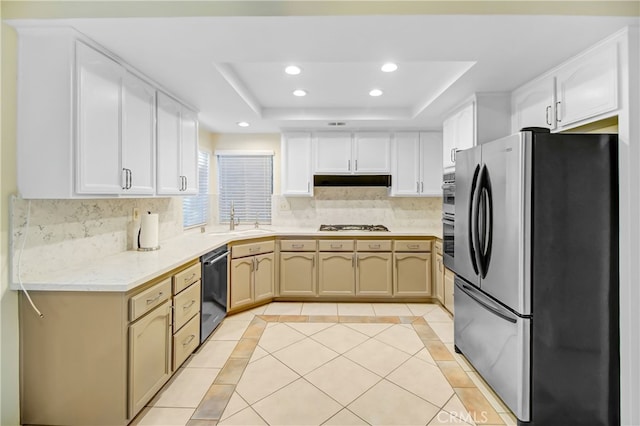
(190, 278)
(374, 246)
(187, 306)
(297, 246)
(155, 299)
(413, 246)
(189, 340)
(254, 249)
(336, 246)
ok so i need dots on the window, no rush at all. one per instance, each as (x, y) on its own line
(195, 209)
(246, 178)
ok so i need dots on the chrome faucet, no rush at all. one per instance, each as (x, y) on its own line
(232, 218)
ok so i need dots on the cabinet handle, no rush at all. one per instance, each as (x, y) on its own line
(349, 165)
(374, 246)
(297, 246)
(187, 306)
(253, 264)
(189, 340)
(150, 301)
(336, 246)
(413, 246)
(558, 112)
(124, 178)
(190, 278)
(186, 182)
(130, 179)
(257, 263)
(254, 249)
(356, 165)
(308, 186)
(418, 187)
(313, 261)
(353, 260)
(547, 115)
(421, 187)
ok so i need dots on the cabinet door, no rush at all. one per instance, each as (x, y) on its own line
(168, 180)
(449, 277)
(138, 136)
(374, 274)
(241, 282)
(336, 275)
(297, 274)
(406, 164)
(263, 280)
(372, 153)
(431, 168)
(465, 128)
(439, 279)
(588, 86)
(333, 153)
(149, 356)
(297, 173)
(449, 134)
(412, 274)
(533, 106)
(98, 143)
(189, 151)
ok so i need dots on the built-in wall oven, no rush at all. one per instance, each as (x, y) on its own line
(448, 217)
(214, 290)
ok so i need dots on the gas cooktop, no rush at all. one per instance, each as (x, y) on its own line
(372, 228)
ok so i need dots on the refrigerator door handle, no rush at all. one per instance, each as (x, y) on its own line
(487, 218)
(487, 303)
(473, 222)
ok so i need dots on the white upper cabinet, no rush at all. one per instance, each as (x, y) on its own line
(297, 172)
(371, 153)
(138, 136)
(458, 132)
(177, 148)
(534, 106)
(416, 168)
(99, 105)
(581, 90)
(333, 153)
(91, 119)
(360, 153)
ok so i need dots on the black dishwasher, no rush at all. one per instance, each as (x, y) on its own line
(214, 290)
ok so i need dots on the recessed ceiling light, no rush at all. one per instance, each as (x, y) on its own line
(242, 124)
(300, 92)
(375, 92)
(292, 70)
(389, 67)
(337, 123)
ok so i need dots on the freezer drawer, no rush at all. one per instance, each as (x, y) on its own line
(497, 344)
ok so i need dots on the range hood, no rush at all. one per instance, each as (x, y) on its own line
(352, 180)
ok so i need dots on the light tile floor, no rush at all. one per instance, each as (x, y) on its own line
(328, 364)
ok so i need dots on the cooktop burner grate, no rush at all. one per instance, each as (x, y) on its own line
(371, 228)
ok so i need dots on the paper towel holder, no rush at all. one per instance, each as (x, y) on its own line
(157, 247)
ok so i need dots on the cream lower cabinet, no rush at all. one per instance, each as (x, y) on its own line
(412, 265)
(298, 268)
(150, 340)
(374, 268)
(336, 268)
(251, 275)
(186, 313)
(438, 272)
(449, 277)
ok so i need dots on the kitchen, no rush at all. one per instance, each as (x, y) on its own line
(404, 210)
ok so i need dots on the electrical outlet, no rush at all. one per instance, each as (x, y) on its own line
(284, 206)
(136, 214)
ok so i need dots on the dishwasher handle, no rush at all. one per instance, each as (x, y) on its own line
(208, 262)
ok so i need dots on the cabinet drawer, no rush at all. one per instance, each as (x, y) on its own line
(186, 341)
(142, 303)
(373, 245)
(243, 250)
(298, 245)
(412, 245)
(336, 245)
(186, 305)
(184, 279)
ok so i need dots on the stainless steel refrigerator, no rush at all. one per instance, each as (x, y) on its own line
(536, 262)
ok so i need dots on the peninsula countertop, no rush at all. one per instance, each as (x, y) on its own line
(127, 270)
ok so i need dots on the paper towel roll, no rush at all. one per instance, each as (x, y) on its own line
(148, 238)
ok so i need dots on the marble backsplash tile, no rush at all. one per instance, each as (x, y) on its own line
(65, 233)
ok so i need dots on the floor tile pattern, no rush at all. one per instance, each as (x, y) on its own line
(329, 364)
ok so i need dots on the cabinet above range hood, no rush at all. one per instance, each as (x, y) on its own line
(352, 180)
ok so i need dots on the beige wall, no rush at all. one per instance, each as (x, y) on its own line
(9, 404)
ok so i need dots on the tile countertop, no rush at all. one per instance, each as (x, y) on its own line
(127, 270)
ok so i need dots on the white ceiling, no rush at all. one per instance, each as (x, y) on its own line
(231, 68)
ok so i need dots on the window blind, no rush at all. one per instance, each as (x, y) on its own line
(195, 208)
(247, 180)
